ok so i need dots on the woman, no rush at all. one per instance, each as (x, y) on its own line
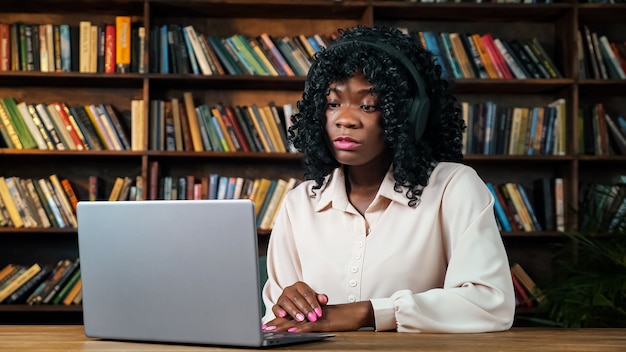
(389, 231)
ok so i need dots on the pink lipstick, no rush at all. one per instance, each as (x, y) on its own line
(345, 143)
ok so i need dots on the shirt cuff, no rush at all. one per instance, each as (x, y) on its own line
(384, 314)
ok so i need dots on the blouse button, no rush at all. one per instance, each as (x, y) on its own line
(351, 298)
(359, 245)
(354, 269)
(353, 283)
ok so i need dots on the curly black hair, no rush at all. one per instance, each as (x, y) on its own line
(413, 160)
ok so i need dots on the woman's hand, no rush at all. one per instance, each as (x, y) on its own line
(299, 308)
(300, 303)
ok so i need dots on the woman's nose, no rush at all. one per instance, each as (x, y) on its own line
(346, 118)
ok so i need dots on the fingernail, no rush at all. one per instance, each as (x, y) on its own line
(263, 327)
(324, 299)
(292, 329)
(299, 317)
(312, 316)
(282, 314)
(270, 328)
(318, 311)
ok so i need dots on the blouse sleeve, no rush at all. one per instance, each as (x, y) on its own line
(477, 295)
(283, 270)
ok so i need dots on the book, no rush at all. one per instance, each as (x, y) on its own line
(122, 44)
(273, 204)
(53, 202)
(67, 286)
(120, 130)
(32, 127)
(261, 128)
(461, 55)
(18, 281)
(9, 204)
(61, 281)
(43, 218)
(116, 190)
(74, 291)
(214, 62)
(21, 294)
(194, 127)
(55, 138)
(498, 61)
(618, 139)
(246, 120)
(544, 58)
(529, 206)
(90, 136)
(559, 198)
(192, 37)
(49, 211)
(241, 130)
(520, 291)
(281, 63)
(484, 56)
(502, 216)
(226, 128)
(84, 46)
(59, 193)
(10, 106)
(271, 188)
(267, 115)
(528, 283)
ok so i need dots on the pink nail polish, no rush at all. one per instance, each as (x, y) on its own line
(299, 317)
(270, 328)
(318, 311)
(282, 314)
(292, 329)
(312, 316)
(263, 327)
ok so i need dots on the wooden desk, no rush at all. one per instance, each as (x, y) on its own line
(31, 338)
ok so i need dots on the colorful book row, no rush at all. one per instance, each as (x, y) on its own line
(86, 47)
(516, 211)
(493, 129)
(267, 194)
(37, 203)
(472, 55)
(36, 284)
(57, 126)
(599, 132)
(180, 125)
(184, 50)
(598, 58)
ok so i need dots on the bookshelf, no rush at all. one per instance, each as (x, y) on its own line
(554, 24)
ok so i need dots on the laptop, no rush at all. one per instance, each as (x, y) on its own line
(183, 271)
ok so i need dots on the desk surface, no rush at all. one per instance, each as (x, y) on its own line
(25, 338)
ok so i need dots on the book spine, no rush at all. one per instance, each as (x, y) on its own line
(42, 112)
(122, 44)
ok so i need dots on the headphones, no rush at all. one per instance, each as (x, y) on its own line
(419, 105)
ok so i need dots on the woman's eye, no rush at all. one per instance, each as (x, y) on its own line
(333, 105)
(368, 108)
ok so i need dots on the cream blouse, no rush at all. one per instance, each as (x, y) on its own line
(437, 267)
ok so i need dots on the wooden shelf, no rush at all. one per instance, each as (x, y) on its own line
(467, 12)
(305, 9)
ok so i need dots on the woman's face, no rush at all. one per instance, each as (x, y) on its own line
(353, 122)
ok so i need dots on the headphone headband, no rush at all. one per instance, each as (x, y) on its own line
(419, 104)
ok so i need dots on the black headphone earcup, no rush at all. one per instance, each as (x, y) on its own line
(418, 115)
